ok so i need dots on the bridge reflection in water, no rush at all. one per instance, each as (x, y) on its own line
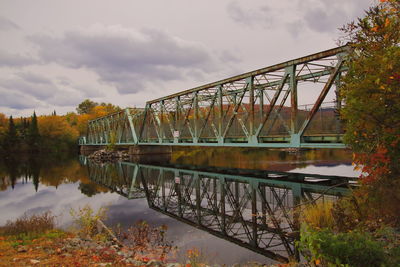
(254, 209)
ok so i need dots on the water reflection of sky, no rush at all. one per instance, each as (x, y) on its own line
(23, 198)
(340, 170)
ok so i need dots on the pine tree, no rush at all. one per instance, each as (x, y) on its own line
(11, 138)
(34, 136)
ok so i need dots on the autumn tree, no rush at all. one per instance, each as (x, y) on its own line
(57, 134)
(3, 130)
(371, 90)
(86, 106)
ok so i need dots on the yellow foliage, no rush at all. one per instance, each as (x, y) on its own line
(3, 123)
(56, 127)
(318, 215)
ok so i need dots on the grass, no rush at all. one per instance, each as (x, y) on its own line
(318, 215)
(29, 225)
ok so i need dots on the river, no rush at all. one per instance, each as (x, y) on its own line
(34, 184)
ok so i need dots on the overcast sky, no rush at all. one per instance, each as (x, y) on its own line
(55, 54)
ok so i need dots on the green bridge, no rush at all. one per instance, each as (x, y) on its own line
(254, 109)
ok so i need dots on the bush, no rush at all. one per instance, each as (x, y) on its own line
(348, 249)
(25, 225)
(318, 215)
(86, 220)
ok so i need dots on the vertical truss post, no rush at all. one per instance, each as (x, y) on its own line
(215, 195)
(198, 196)
(254, 215)
(143, 122)
(293, 99)
(250, 87)
(297, 193)
(263, 207)
(176, 120)
(222, 203)
(162, 110)
(162, 182)
(261, 97)
(220, 115)
(177, 112)
(131, 126)
(106, 129)
(133, 180)
(294, 136)
(338, 101)
(196, 117)
(179, 193)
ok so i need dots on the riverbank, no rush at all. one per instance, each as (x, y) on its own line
(35, 241)
(59, 248)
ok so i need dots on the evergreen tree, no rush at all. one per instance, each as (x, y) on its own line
(34, 136)
(12, 137)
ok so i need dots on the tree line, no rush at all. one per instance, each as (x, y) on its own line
(49, 133)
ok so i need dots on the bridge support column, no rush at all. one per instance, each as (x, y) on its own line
(295, 140)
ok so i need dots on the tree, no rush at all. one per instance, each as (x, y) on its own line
(33, 133)
(86, 107)
(11, 137)
(371, 91)
(58, 135)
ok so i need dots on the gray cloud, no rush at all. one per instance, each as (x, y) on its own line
(31, 84)
(15, 60)
(297, 16)
(261, 16)
(126, 58)
(38, 88)
(325, 19)
(88, 91)
(65, 98)
(16, 100)
(6, 24)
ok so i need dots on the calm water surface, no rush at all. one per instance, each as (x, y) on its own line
(32, 184)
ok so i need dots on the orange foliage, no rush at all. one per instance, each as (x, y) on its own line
(56, 127)
(3, 123)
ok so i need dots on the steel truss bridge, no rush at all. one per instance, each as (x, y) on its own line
(254, 109)
(254, 210)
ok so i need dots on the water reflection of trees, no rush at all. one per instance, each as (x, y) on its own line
(259, 158)
(48, 171)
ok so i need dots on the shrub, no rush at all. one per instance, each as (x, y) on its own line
(351, 249)
(142, 237)
(318, 215)
(86, 220)
(27, 225)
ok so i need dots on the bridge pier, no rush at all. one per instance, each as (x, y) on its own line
(133, 150)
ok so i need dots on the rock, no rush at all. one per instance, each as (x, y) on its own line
(154, 263)
(22, 249)
(34, 261)
(105, 155)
